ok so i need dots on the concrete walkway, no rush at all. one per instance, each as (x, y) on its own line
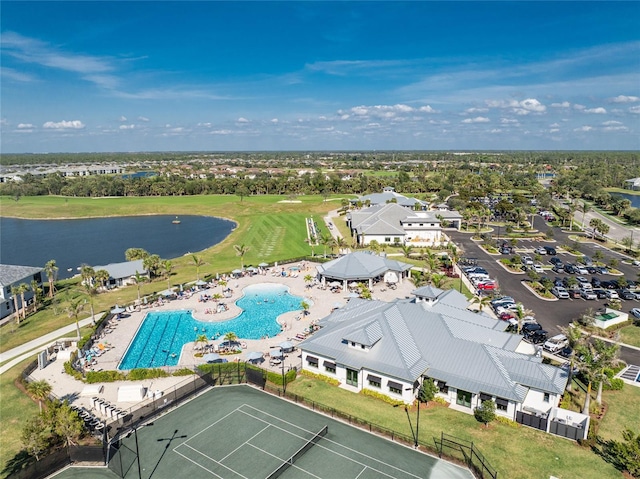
(26, 350)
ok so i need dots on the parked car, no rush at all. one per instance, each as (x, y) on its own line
(538, 268)
(626, 294)
(585, 260)
(536, 337)
(486, 286)
(558, 268)
(635, 312)
(528, 328)
(506, 315)
(600, 293)
(612, 294)
(574, 293)
(595, 282)
(588, 294)
(550, 250)
(583, 282)
(540, 250)
(581, 269)
(556, 343)
(569, 268)
(636, 262)
(502, 300)
(527, 260)
(557, 281)
(555, 261)
(592, 270)
(560, 292)
(602, 270)
(565, 352)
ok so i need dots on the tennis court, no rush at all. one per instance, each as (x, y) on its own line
(239, 432)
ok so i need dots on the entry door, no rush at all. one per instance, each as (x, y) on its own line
(352, 377)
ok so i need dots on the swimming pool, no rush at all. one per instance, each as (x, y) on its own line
(161, 336)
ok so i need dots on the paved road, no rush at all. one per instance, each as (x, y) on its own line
(550, 314)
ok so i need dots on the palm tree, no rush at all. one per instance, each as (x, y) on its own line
(231, 337)
(139, 279)
(438, 279)
(68, 424)
(167, 267)
(91, 290)
(305, 307)
(197, 261)
(607, 358)
(374, 246)
(522, 313)
(40, 390)
(341, 244)
(202, 338)
(87, 273)
(406, 250)
(574, 337)
(325, 240)
(585, 208)
(308, 279)
(51, 270)
(241, 250)
(102, 276)
(482, 301)
(14, 294)
(22, 289)
(74, 308)
(36, 294)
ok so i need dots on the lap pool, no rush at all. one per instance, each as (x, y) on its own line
(161, 336)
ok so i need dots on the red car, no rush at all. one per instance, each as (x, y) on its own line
(506, 316)
(486, 286)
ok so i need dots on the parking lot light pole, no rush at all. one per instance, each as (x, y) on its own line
(135, 434)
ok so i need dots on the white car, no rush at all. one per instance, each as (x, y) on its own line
(526, 260)
(611, 294)
(635, 312)
(581, 269)
(538, 268)
(588, 294)
(540, 250)
(560, 292)
(556, 343)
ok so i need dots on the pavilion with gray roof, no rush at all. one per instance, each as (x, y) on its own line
(392, 347)
(121, 274)
(389, 195)
(361, 266)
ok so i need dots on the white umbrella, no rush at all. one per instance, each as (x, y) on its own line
(168, 292)
(263, 265)
(200, 283)
(211, 357)
(390, 277)
(237, 271)
(117, 310)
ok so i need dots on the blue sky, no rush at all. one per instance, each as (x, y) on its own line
(149, 76)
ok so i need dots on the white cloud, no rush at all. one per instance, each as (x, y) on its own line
(599, 110)
(127, 127)
(274, 120)
(554, 130)
(11, 74)
(24, 125)
(524, 107)
(476, 110)
(222, 132)
(122, 118)
(439, 122)
(496, 130)
(507, 121)
(427, 109)
(64, 125)
(611, 123)
(478, 119)
(615, 128)
(383, 111)
(554, 125)
(577, 106)
(584, 128)
(143, 118)
(625, 99)
(564, 104)
(242, 120)
(634, 109)
(206, 125)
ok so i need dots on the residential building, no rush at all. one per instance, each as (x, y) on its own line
(123, 274)
(632, 184)
(13, 276)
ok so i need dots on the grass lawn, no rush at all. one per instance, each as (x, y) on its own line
(515, 452)
(630, 335)
(15, 408)
(623, 411)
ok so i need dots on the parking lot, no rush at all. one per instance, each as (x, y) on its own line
(555, 313)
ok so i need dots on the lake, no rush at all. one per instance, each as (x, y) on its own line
(100, 241)
(635, 199)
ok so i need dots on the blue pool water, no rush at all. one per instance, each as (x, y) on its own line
(161, 336)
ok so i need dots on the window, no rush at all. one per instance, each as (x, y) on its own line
(502, 404)
(546, 397)
(442, 386)
(485, 397)
(374, 381)
(330, 367)
(421, 224)
(353, 343)
(387, 239)
(313, 362)
(362, 346)
(463, 398)
(352, 377)
(394, 387)
(396, 239)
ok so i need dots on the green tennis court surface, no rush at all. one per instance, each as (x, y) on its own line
(239, 432)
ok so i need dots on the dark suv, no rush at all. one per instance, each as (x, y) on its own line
(529, 328)
(536, 337)
(550, 250)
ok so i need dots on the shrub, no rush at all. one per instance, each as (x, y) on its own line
(276, 378)
(68, 368)
(486, 412)
(140, 374)
(321, 377)
(104, 376)
(382, 397)
(506, 421)
(615, 384)
(183, 372)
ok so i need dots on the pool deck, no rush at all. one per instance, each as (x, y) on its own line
(64, 386)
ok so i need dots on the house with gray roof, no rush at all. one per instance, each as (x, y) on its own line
(12, 276)
(363, 266)
(632, 184)
(123, 274)
(389, 195)
(391, 348)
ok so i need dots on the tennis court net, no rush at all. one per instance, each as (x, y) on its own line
(289, 462)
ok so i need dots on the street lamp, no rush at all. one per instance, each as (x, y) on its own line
(406, 409)
(135, 433)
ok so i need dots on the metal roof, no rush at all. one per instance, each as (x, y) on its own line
(462, 348)
(123, 270)
(10, 274)
(360, 265)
